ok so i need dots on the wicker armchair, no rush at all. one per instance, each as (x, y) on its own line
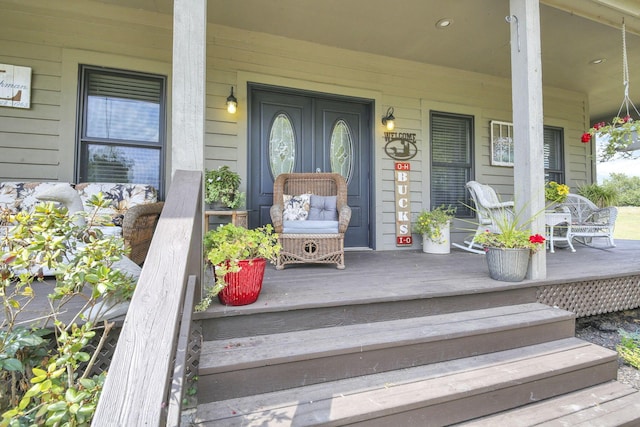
(318, 239)
(138, 225)
(588, 221)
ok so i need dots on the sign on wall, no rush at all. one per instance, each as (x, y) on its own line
(15, 86)
(400, 145)
(403, 204)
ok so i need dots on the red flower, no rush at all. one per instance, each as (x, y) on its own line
(586, 137)
(626, 119)
(536, 238)
(599, 125)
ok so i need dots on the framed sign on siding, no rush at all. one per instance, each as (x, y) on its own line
(15, 86)
(501, 143)
(403, 204)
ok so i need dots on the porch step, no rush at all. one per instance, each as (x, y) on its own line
(605, 405)
(244, 366)
(286, 313)
(429, 395)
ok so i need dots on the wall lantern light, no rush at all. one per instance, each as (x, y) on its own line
(388, 120)
(232, 103)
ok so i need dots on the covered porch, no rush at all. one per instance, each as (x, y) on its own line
(387, 313)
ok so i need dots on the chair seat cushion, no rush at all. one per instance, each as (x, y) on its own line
(310, 227)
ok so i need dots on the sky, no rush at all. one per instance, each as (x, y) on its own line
(629, 167)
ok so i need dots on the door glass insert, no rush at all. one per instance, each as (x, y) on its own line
(282, 145)
(341, 149)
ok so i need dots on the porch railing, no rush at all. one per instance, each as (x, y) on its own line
(141, 375)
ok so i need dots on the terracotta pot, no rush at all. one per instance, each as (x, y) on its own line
(244, 286)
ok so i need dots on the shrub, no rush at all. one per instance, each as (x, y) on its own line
(600, 195)
(48, 377)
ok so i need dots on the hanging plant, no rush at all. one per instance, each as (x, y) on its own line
(621, 135)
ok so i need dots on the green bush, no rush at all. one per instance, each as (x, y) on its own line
(47, 377)
(628, 188)
(600, 195)
(629, 348)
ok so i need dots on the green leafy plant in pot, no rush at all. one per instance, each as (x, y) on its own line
(238, 256)
(509, 246)
(434, 226)
(222, 186)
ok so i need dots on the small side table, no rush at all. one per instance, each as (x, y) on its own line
(238, 218)
(555, 218)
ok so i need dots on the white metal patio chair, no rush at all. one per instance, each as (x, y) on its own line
(489, 209)
(588, 221)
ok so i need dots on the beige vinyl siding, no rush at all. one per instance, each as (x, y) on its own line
(39, 143)
(52, 37)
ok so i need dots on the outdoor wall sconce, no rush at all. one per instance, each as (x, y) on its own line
(232, 103)
(388, 120)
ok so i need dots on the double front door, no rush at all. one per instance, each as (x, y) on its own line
(292, 131)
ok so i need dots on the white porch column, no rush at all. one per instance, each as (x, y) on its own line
(526, 95)
(188, 84)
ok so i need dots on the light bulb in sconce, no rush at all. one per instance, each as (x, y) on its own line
(232, 103)
(388, 120)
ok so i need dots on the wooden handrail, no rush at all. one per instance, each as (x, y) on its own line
(137, 385)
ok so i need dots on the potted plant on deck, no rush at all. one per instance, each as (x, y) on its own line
(434, 226)
(222, 186)
(509, 249)
(238, 256)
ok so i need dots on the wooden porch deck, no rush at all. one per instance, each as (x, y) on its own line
(407, 338)
(372, 276)
(385, 276)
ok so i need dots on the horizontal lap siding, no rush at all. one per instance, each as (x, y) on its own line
(35, 35)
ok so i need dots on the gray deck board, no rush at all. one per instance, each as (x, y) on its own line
(402, 275)
(608, 404)
(243, 353)
(358, 399)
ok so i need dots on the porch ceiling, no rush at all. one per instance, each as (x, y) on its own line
(574, 32)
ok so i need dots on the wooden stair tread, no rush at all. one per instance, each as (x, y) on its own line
(242, 353)
(366, 398)
(608, 404)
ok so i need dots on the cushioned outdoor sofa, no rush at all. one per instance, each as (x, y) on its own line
(134, 209)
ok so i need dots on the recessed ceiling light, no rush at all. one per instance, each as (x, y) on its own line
(598, 61)
(444, 23)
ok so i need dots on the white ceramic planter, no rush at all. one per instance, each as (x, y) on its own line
(443, 246)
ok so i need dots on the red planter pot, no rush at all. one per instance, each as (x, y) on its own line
(244, 286)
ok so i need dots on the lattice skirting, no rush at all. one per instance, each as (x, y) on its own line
(106, 354)
(593, 296)
(311, 248)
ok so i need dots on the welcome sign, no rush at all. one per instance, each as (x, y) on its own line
(403, 204)
(15, 86)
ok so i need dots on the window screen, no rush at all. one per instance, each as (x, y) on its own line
(451, 164)
(553, 160)
(121, 127)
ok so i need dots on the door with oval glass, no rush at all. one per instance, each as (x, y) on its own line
(293, 131)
